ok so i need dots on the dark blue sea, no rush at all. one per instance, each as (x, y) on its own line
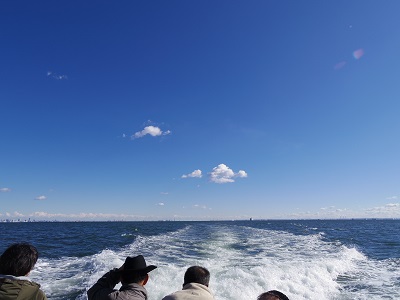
(311, 259)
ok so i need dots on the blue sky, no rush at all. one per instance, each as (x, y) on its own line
(199, 110)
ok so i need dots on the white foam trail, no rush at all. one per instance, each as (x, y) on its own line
(243, 262)
(68, 276)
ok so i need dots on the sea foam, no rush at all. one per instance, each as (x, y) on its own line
(243, 262)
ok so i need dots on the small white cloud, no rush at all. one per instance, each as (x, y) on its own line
(56, 76)
(164, 193)
(200, 206)
(17, 214)
(241, 174)
(195, 174)
(4, 190)
(41, 197)
(160, 204)
(151, 130)
(392, 198)
(223, 174)
(328, 208)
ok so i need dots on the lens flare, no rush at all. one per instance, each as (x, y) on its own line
(339, 65)
(358, 53)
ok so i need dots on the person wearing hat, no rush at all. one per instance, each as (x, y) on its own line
(133, 275)
(195, 286)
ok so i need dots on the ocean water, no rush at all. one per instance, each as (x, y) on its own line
(312, 259)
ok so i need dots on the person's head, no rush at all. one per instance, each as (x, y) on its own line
(133, 277)
(135, 270)
(273, 295)
(18, 259)
(197, 274)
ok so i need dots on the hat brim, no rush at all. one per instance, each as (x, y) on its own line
(142, 271)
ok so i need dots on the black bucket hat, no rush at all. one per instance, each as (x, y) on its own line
(137, 264)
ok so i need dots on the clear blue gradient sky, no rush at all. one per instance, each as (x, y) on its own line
(198, 110)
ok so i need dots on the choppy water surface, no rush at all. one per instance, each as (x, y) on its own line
(353, 259)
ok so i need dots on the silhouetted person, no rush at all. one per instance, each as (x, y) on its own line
(195, 286)
(273, 295)
(15, 265)
(133, 277)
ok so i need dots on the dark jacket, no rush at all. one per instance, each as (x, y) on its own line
(104, 289)
(19, 288)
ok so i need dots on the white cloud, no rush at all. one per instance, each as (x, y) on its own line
(17, 214)
(389, 210)
(201, 206)
(164, 193)
(241, 174)
(151, 130)
(85, 216)
(42, 197)
(195, 174)
(392, 198)
(161, 204)
(4, 190)
(223, 174)
(328, 208)
(56, 76)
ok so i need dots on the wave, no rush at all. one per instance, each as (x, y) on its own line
(243, 262)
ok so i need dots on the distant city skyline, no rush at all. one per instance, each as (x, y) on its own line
(182, 110)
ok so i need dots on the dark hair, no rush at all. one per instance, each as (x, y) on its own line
(198, 275)
(132, 277)
(18, 259)
(273, 295)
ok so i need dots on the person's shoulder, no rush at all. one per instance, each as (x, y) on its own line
(33, 289)
(175, 295)
(196, 286)
(27, 289)
(170, 297)
(29, 284)
(199, 290)
(40, 295)
(17, 281)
